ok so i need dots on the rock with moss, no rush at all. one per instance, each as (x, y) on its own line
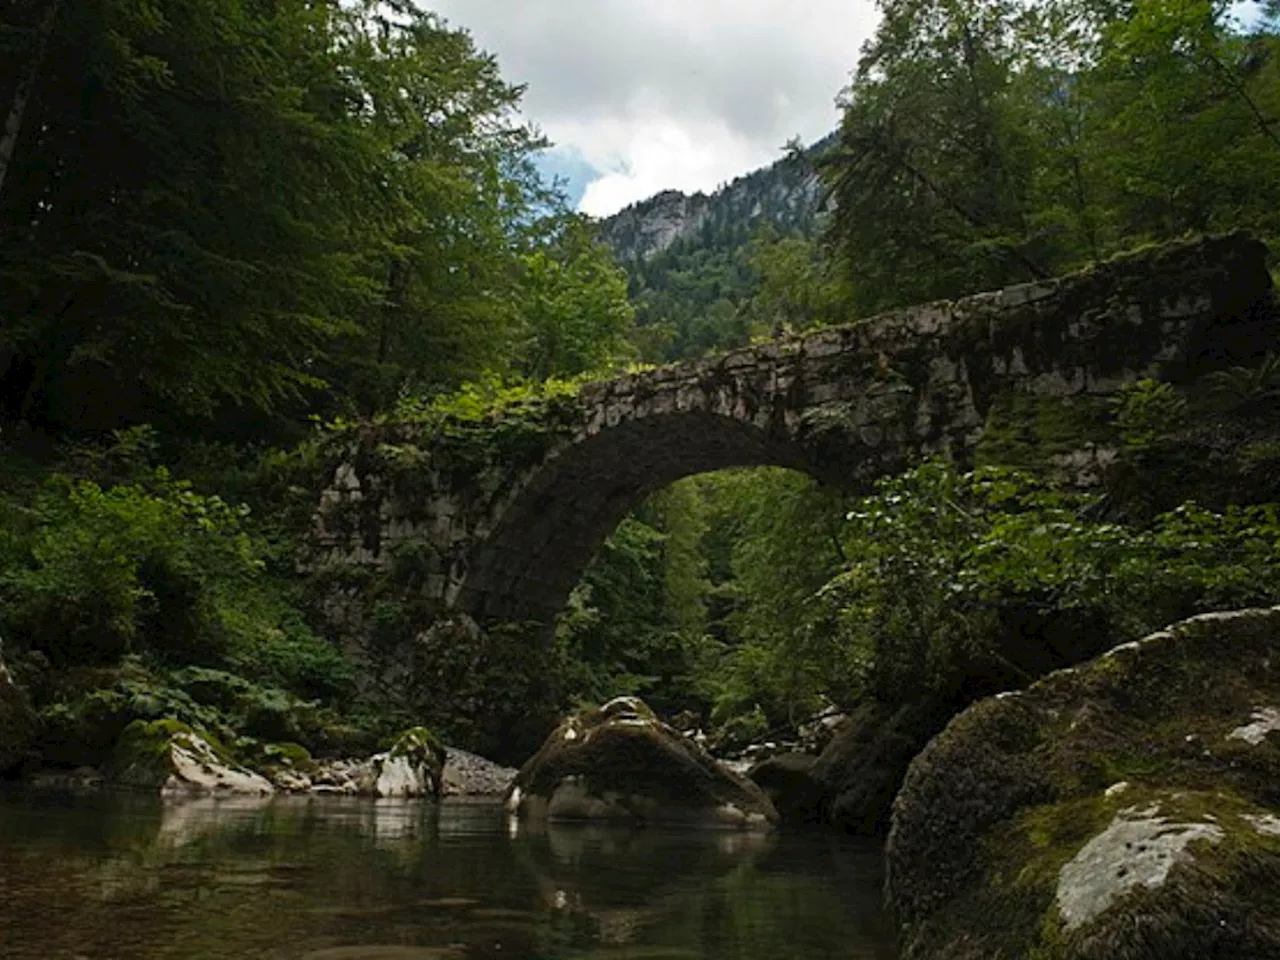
(413, 767)
(787, 780)
(858, 774)
(19, 724)
(289, 766)
(620, 762)
(1126, 809)
(172, 758)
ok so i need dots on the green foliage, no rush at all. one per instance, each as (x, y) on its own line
(1147, 411)
(123, 567)
(938, 556)
(488, 398)
(1250, 389)
(618, 636)
(702, 601)
(573, 305)
(799, 287)
(1211, 441)
(988, 143)
(784, 548)
(99, 572)
(217, 204)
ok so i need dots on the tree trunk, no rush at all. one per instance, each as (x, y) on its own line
(22, 94)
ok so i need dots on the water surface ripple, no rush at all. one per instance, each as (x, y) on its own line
(123, 877)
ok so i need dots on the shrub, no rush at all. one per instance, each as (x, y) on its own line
(955, 576)
(135, 566)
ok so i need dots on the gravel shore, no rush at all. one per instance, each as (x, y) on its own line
(469, 775)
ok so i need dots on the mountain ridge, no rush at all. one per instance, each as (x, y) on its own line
(785, 194)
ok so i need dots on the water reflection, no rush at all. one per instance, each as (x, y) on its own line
(341, 879)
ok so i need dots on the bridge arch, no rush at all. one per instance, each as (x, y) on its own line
(542, 541)
(507, 529)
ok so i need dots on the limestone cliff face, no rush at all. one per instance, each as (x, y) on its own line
(651, 226)
(785, 194)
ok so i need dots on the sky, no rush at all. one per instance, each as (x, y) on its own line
(641, 96)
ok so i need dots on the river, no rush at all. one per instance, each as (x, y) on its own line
(126, 877)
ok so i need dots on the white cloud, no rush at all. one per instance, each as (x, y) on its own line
(641, 157)
(683, 94)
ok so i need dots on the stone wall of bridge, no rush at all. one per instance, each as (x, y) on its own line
(498, 517)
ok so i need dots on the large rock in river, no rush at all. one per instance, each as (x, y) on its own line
(858, 774)
(1127, 809)
(170, 757)
(411, 768)
(787, 781)
(621, 762)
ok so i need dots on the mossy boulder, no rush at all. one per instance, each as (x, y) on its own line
(19, 724)
(858, 774)
(289, 766)
(1126, 809)
(413, 767)
(787, 780)
(170, 757)
(620, 762)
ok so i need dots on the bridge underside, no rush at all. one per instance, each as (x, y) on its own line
(525, 569)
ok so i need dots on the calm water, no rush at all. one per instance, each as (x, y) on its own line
(127, 878)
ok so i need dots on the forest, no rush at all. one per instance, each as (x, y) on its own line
(230, 229)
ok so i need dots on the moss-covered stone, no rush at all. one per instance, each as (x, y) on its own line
(420, 745)
(620, 762)
(289, 766)
(1009, 834)
(412, 767)
(1045, 434)
(170, 757)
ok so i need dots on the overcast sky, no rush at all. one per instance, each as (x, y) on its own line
(646, 95)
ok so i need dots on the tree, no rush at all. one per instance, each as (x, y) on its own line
(1187, 135)
(799, 287)
(29, 57)
(169, 225)
(931, 168)
(574, 313)
(985, 143)
(460, 199)
(222, 203)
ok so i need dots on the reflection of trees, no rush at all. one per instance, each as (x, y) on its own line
(216, 878)
(279, 878)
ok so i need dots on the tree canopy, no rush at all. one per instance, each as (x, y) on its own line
(281, 208)
(986, 142)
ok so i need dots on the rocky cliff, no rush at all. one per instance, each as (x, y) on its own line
(785, 194)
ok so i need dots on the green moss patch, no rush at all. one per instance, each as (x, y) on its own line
(421, 746)
(1028, 430)
(1016, 787)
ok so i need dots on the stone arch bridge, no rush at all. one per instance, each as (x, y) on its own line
(497, 517)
